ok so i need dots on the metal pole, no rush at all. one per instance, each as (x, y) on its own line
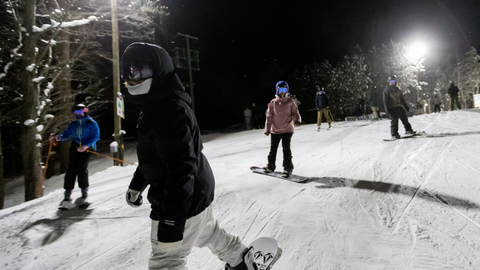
(189, 68)
(116, 86)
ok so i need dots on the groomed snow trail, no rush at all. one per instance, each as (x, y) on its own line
(406, 204)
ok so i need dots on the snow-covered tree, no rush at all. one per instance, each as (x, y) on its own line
(467, 74)
(30, 71)
(349, 84)
(51, 52)
(305, 81)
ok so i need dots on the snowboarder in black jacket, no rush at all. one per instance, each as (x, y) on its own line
(394, 106)
(453, 92)
(171, 161)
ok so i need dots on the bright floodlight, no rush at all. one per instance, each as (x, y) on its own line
(416, 51)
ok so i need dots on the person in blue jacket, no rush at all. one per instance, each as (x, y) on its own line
(85, 133)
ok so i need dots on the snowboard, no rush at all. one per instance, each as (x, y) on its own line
(79, 202)
(265, 252)
(402, 137)
(293, 177)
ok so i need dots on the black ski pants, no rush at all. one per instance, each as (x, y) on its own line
(77, 166)
(454, 100)
(395, 114)
(286, 138)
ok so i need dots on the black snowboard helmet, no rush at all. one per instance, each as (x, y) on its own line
(392, 78)
(80, 107)
(165, 81)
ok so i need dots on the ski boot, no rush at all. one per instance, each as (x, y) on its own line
(248, 262)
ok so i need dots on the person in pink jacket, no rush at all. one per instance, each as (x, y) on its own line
(282, 115)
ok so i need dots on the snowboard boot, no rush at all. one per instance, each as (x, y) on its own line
(248, 262)
(85, 192)
(268, 169)
(83, 201)
(67, 193)
(287, 173)
(396, 136)
(65, 204)
(410, 132)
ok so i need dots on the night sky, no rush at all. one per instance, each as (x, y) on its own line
(247, 46)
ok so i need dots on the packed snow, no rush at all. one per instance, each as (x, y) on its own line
(408, 204)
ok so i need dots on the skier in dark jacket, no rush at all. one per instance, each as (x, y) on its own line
(171, 161)
(322, 104)
(85, 133)
(394, 106)
(453, 92)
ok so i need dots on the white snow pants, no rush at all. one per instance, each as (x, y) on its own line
(201, 230)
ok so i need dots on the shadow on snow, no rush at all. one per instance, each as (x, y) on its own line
(334, 182)
(59, 225)
(448, 134)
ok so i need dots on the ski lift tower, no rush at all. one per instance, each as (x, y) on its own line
(188, 59)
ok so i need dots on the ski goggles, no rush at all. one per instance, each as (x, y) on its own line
(80, 111)
(282, 90)
(392, 81)
(132, 72)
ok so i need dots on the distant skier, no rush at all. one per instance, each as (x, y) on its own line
(85, 133)
(171, 162)
(282, 115)
(436, 101)
(453, 92)
(322, 104)
(394, 105)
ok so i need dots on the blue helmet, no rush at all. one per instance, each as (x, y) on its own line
(281, 88)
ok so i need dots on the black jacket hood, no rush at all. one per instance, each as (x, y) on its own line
(165, 82)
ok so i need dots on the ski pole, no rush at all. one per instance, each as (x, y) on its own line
(93, 152)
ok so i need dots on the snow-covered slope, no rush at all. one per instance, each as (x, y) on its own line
(406, 204)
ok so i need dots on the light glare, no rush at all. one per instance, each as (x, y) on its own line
(416, 51)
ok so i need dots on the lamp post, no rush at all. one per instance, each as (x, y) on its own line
(414, 53)
(418, 68)
(117, 136)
